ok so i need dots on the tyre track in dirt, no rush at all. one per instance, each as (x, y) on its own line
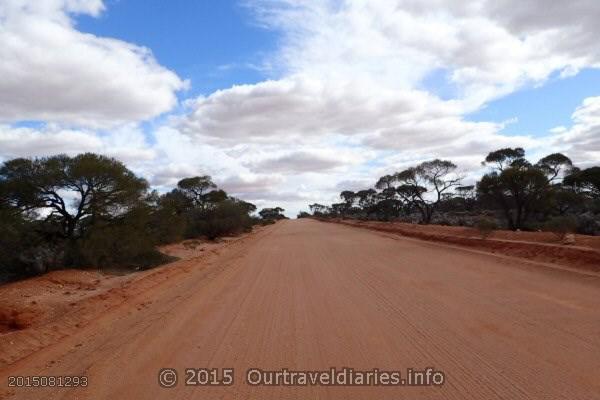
(307, 295)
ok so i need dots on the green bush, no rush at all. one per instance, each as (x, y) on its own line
(224, 218)
(12, 230)
(126, 241)
(485, 226)
(167, 227)
(561, 226)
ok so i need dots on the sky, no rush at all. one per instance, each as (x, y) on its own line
(286, 103)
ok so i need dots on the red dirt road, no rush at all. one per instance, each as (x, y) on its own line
(306, 295)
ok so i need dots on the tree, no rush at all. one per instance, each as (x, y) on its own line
(385, 182)
(90, 210)
(504, 158)
(225, 218)
(339, 209)
(213, 197)
(168, 221)
(366, 199)
(349, 197)
(247, 207)
(175, 202)
(272, 213)
(466, 192)
(587, 181)
(563, 198)
(518, 190)
(466, 195)
(387, 205)
(424, 186)
(318, 209)
(196, 210)
(16, 237)
(71, 190)
(198, 189)
(553, 164)
(127, 240)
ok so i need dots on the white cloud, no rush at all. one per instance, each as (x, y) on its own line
(127, 143)
(308, 114)
(357, 69)
(490, 48)
(252, 186)
(28, 142)
(581, 142)
(298, 162)
(52, 72)
(348, 100)
(358, 72)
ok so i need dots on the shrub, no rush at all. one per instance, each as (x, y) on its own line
(11, 231)
(485, 226)
(167, 227)
(224, 218)
(22, 252)
(561, 226)
(588, 224)
(125, 242)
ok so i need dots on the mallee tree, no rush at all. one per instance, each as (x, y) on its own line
(71, 190)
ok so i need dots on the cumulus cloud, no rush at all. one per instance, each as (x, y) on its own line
(52, 72)
(295, 107)
(358, 69)
(489, 48)
(582, 140)
(298, 162)
(575, 28)
(127, 143)
(29, 142)
(300, 111)
(252, 186)
(349, 96)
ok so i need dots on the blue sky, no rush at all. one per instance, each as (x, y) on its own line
(541, 108)
(215, 44)
(331, 91)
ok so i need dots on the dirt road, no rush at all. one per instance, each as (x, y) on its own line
(306, 295)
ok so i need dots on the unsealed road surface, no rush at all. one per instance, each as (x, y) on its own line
(307, 295)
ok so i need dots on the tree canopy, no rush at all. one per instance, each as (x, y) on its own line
(272, 213)
(503, 158)
(424, 185)
(525, 195)
(71, 189)
(91, 210)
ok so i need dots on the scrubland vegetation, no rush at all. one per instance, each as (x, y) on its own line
(91, 211)
(551, 194)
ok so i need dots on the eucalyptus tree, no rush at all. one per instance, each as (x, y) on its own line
(587, 181)
(425, 185)
(198, 189)
(519, 188)
(272, 213)
(318, 209)
(504, 158)
(554, 165)
(71, 190)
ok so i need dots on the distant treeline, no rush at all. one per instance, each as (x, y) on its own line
(91, 211)
(552, 194)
